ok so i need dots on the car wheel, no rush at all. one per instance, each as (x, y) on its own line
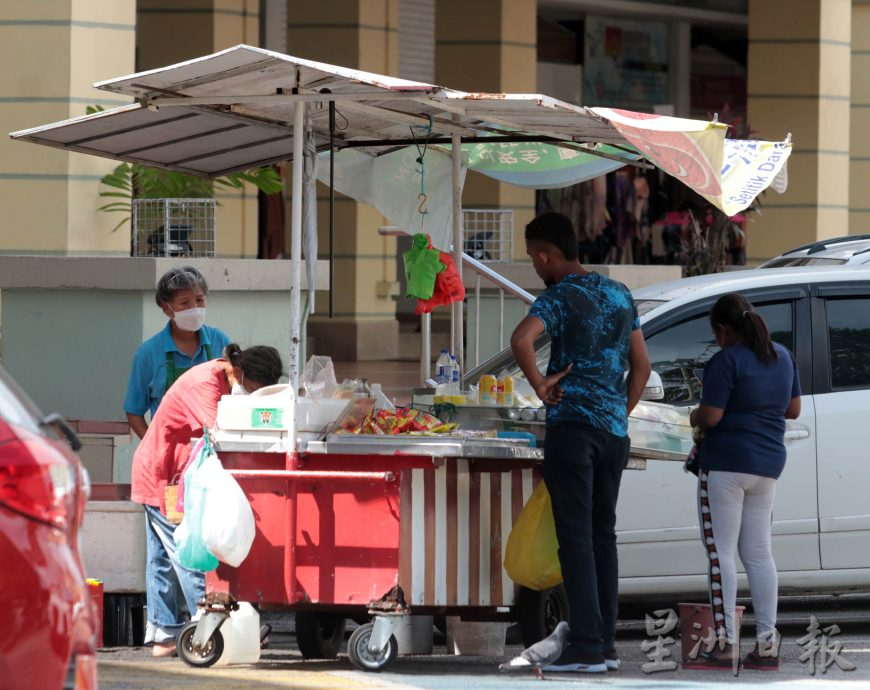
(319, 635)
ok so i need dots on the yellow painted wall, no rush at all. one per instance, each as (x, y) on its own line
(499, 38)
(362, 34)
(171, 32)
(799, 82)
(52, 53)
(859, 149)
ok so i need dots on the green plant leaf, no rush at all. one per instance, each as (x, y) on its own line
(137, 181)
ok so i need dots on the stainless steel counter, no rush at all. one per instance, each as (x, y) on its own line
(437, 446)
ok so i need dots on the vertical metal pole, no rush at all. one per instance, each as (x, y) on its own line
(500, 320)
(296, 260)
(457, 311)
(477, 320)
(331, 201)
(425, 346)
(166, 233)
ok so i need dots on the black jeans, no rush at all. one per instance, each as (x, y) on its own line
(582, 469)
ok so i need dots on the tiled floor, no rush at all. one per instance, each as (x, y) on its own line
(397, 378)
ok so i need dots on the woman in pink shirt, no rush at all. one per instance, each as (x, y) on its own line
(191, 404)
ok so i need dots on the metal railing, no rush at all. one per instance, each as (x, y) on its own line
(503, 285)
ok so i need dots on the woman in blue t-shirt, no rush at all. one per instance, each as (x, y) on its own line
(750, 388)
(184, 342)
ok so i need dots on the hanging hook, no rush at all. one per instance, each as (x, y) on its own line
(421, 209)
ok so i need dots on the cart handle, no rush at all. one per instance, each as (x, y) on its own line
(387, 477)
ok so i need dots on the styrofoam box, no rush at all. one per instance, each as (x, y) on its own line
(235, 411)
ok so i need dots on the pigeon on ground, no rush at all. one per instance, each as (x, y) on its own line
(540, 654)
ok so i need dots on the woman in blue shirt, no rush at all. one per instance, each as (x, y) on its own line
(185, 342)
(750, 388)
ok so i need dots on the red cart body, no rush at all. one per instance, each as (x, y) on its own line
(342, 531)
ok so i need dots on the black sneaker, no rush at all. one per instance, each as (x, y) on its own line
(572, 661)
(612, 660)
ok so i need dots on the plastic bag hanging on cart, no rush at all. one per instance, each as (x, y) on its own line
(531, 556)
(318, 377)
(227, 520)
(192, 551)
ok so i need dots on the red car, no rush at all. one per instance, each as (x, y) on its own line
(48, 635)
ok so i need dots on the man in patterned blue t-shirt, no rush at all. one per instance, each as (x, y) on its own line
(595, 339)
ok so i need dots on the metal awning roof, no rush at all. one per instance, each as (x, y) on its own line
(233, 110)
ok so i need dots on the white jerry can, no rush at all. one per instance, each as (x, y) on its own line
(241, 634)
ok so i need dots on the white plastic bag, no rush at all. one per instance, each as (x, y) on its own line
(227, 520)
(318, 378)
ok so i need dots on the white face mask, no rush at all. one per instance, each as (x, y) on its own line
(190, 319)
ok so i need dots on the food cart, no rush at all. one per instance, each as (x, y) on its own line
(380, 525)
(388, 526)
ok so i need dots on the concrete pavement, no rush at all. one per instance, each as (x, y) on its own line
(281, 666)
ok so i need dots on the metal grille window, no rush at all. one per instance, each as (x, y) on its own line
(174, 227)
(488, 233)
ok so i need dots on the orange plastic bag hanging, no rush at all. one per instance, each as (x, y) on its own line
(531, 557)
(448, 287)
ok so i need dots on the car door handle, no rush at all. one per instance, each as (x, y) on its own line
(795, 434)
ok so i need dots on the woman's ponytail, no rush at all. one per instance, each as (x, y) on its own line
(233, 354)
(259, 363)
(734, 311)
(757, 336)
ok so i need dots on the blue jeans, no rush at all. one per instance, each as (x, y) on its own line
(172, 590)
(582, 469)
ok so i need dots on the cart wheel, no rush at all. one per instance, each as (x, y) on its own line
(319, 635)
(362, 658)
(208, 656)
(540, 612)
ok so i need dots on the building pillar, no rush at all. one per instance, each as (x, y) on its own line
(173, 32)
(362, 34)
(799, 66)
(490, 45)
(859, 120)
(53, 53)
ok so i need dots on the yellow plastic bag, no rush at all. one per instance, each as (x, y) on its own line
(531, 557)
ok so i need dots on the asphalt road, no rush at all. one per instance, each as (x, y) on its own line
(281, 666)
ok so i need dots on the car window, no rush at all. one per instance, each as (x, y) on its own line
(849, 341)
(15, 407)
(678, 353)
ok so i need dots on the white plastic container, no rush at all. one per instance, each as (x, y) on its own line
(473, 638)
(241, 633)
(414, 634)
(247, 412)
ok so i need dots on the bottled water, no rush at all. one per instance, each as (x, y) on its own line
(455, 376)
(443, 367)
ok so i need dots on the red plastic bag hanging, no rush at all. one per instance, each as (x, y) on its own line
(448, 287)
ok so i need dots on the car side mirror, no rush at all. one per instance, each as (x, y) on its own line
(654, 389)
